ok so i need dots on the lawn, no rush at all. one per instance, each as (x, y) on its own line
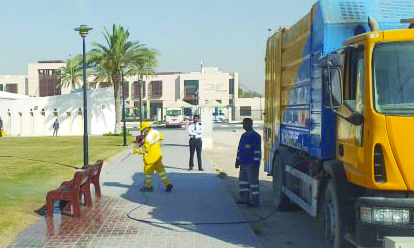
(32, 166)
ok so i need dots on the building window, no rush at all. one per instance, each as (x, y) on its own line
(1, 87)
(154, 113)
(125, 89)
(48, 81)
(191, 91)
(136, 90)
(188, 112)
(155, 89)
(231, 87)
(245, 111)
(12, 88)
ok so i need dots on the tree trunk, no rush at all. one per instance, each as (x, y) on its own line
(117, 93)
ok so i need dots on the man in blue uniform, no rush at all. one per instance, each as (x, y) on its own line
(249, 154)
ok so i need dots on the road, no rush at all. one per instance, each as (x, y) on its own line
(216, 126)
(286, 229)
(282, 229)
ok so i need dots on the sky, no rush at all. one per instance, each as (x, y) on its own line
(228, 34)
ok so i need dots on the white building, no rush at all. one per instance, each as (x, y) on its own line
(197, 88)
(34, 116)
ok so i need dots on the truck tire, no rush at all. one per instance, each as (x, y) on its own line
(333, 217)
(280, 200)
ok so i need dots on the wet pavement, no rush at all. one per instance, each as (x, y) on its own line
(198, 213)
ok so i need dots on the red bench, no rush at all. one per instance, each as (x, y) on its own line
(73, 190)
(96, 172)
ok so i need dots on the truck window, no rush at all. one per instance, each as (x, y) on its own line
(394, 78)
(354, 83)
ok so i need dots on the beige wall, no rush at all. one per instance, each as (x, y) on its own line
(33, 76)
(256, 104)
(213, 85)
(20, 80)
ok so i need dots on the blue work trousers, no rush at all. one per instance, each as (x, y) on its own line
(249, 184)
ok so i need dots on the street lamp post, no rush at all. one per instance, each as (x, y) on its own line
(140, 84)
(83, 31)
(123, 105)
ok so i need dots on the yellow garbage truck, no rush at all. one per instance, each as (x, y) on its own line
(339, 118)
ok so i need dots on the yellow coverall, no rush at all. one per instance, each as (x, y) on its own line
(153, 157)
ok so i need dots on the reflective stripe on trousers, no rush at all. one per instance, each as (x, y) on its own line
(249, 184)
(159, 169)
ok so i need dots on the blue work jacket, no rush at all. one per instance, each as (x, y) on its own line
(250, 150)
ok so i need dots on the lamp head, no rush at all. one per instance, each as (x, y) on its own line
(83, 30)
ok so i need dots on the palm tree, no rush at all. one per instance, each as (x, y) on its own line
(109, 61)
(146, 66)
(71, 74)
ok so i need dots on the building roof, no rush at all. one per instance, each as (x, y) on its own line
(11, 96)
(50, 61)
(168, 73)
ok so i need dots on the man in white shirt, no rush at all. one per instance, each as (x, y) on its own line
(195, 131)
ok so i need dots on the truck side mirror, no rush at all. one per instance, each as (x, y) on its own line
(332, 80)
(333, 87)
(356, 119)
(332, 84)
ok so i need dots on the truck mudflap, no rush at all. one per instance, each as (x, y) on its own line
(378, 217)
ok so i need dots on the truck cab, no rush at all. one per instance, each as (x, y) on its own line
(370, 84)
(339, 118)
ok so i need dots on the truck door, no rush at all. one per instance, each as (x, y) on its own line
(349, 136)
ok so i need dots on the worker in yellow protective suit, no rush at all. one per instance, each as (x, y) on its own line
(151, 149)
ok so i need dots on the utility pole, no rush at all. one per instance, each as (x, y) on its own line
(123, 105)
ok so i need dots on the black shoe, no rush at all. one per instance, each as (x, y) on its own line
(169, 188)
(145, 189)
(253, 205)
(200, 169)
(242, 202)
(191, 168)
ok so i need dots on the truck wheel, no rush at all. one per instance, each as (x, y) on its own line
(281, 201)
(334, 225)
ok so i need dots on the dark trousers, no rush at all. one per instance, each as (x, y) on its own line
(249, 184)
(195, 144)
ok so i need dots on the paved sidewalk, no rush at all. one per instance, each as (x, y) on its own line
(196, 197)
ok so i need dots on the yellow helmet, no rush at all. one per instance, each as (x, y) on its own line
(144, 125)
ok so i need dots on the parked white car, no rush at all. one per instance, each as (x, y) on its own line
(219, 117)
